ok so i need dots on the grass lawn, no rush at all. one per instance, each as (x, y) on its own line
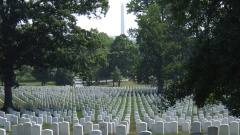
(35, 83)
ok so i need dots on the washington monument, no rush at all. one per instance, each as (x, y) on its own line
(122, 20)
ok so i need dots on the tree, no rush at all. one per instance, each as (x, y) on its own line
(63, 77)
(124, 55)
(103, 71)
(151, 37)
(43, 75)
(213, 67)
(116, 76)
(162, 44)
(44, 34)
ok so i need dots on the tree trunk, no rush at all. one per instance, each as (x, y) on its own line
(160, 82)
(8, 81)
(119, 81)
(106, 80)
(113, 84)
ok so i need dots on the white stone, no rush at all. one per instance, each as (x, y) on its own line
(78, 129)
(103, 126)
(110, 127)
(88, 127)
(206, 125)
(36, 129)
(196, 127)
(96, 132)
(55, 128)
(95, 127)
(224, 129)
(212, 131)
(49, 119)
(14, 130)
(145, 133)
(142, 126)
(2, 131)
(174, 127)
(82, 121)
(186, 127)
(64, 128)
(158, 127)
(121, 130)
(27, 126)
(20, 129)
(234, 128)
(7, 126)
(47, 132)
(167, 127)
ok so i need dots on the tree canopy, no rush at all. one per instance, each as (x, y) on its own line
(123, 55)
(213, 68)
(162, 43)
(43, 33)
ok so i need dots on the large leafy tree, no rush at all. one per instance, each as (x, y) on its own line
(63, 77)
(43, 75)
(162, 43)
(43, 33)
(123, 55)
(213, 68)
(102, 71)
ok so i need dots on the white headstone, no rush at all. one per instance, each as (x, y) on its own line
(212, 131)
(142, 126)
(7, 126)
(186, 127)
(234, 128)
(121, 130)
(103, 126)
(224, 129)
(2, 131)
(88, 127)
(78, 129)
(174, 127)
(145, 133)
(96, 132)
(196, 127)
(64, 128)
(36, 129)
(27, 126)
(47, 132)
(55, 128)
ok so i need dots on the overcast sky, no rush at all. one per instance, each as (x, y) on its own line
(111, 24)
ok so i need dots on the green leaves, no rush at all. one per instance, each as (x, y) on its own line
(123, 54)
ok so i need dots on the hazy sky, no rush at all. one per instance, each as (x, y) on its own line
(111, 23)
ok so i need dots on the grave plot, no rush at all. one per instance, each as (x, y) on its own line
(109, 111)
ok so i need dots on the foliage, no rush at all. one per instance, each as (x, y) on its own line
(124, 55)
(42, 75)
(24, 73)
(213, 67)
(162, 44)
(116, 75)
(103, 71)
(63, 77)
(44, 34)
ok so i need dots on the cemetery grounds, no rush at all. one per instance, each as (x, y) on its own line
(111, 104)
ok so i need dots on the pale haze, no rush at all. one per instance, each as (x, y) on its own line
(111, 23)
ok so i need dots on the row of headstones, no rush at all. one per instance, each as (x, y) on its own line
(71, 105)
(186, 126)
(121, 112)
(84, 124)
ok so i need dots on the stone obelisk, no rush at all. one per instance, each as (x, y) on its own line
(122, 20)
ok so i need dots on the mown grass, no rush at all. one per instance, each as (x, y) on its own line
(35, 83)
